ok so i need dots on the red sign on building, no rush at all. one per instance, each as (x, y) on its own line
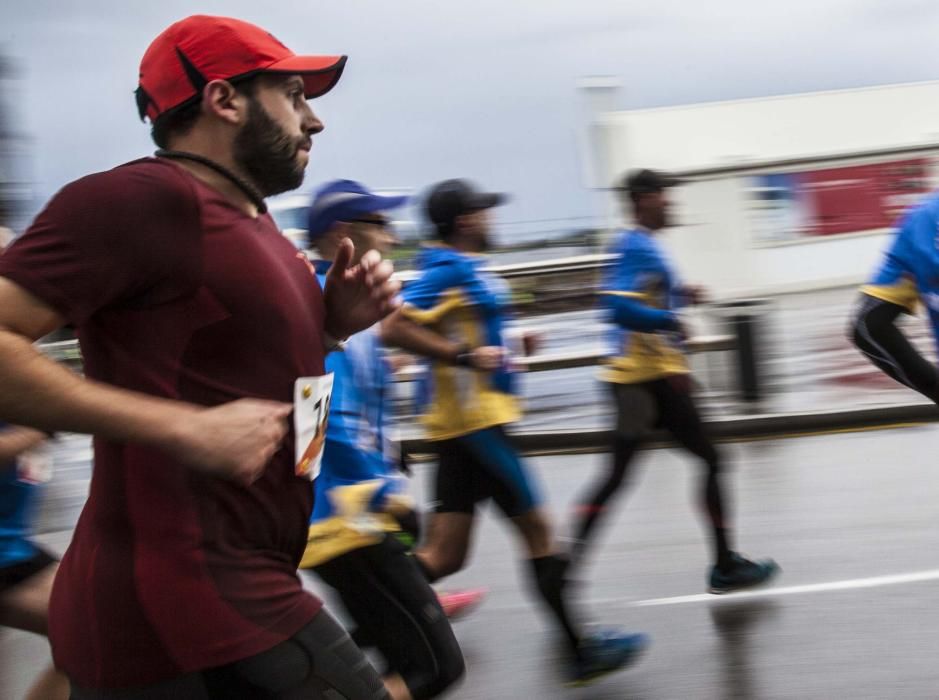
(833, 201)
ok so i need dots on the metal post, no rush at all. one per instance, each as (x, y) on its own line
(744, 323)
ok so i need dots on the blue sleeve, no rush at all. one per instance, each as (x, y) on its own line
(435, 293)
(625, 290)
(895, 279)
(634, 315)
(426, 289)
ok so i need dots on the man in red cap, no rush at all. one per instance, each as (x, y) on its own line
(201, 330)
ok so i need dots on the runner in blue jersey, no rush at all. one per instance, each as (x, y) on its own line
(360, 494)
(26, 569)
(650, 381)
(454, 316)
(907, 276)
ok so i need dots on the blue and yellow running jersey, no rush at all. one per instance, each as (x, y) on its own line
(358, 473)
(455, 298)
(641, 294)
(909, 272)
(18, 502)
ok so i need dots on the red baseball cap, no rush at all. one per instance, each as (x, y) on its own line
(196, 50)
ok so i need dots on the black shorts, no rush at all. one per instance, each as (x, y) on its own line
(479, 466)
(320, 662)
(660, 403)
(15, 574)
(667, 404)
(396, 611)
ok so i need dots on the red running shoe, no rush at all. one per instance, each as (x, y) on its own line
(459, 604)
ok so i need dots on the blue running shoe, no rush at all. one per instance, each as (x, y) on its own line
(605, 652)
(742, 573)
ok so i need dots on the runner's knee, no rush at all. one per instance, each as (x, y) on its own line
(447, 560)
(450, 669)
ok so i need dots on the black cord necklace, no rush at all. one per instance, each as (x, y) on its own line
(250, 191)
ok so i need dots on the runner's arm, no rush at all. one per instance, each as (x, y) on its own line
(874, 331)
(41, 394)
(399, 331)
(624, 290)
(629, 312)
(108, 239)
(45, 395)
(14, 440)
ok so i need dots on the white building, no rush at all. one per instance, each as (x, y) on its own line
(783, 193)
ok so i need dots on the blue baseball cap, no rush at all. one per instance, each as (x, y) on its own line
(343, 200)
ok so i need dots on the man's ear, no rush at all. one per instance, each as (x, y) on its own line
(221, 100)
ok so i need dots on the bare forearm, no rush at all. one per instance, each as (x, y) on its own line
(41, 394)
(399, 331)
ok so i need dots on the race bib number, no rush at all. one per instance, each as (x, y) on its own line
(311, 400)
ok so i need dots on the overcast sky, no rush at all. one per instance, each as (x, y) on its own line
(437, 88)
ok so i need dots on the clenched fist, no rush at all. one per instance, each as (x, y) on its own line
(233, 441)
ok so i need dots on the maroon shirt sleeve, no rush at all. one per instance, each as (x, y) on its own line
(124, 236)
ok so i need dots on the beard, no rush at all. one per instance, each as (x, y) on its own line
(481, 241)
(267, 154)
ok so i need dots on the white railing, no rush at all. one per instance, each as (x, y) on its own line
(577, 263)
(67, 351)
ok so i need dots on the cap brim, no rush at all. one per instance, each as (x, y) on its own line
(384, 203)
(487, 200)
(343, 211)
(320, 73)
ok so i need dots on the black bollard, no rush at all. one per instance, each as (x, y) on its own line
(743, 318)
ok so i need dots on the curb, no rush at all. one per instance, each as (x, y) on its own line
(757, 427)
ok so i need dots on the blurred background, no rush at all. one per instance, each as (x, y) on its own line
(801, 131)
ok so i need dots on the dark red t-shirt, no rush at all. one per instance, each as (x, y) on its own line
(177, 293)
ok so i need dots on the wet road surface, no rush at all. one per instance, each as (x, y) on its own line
(852, 519)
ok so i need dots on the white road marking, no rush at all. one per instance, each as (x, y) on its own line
(771, 592)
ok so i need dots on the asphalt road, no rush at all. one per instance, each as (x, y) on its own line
(852, 519)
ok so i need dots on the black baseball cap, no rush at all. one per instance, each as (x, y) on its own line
(646, 181)
(452, 198)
